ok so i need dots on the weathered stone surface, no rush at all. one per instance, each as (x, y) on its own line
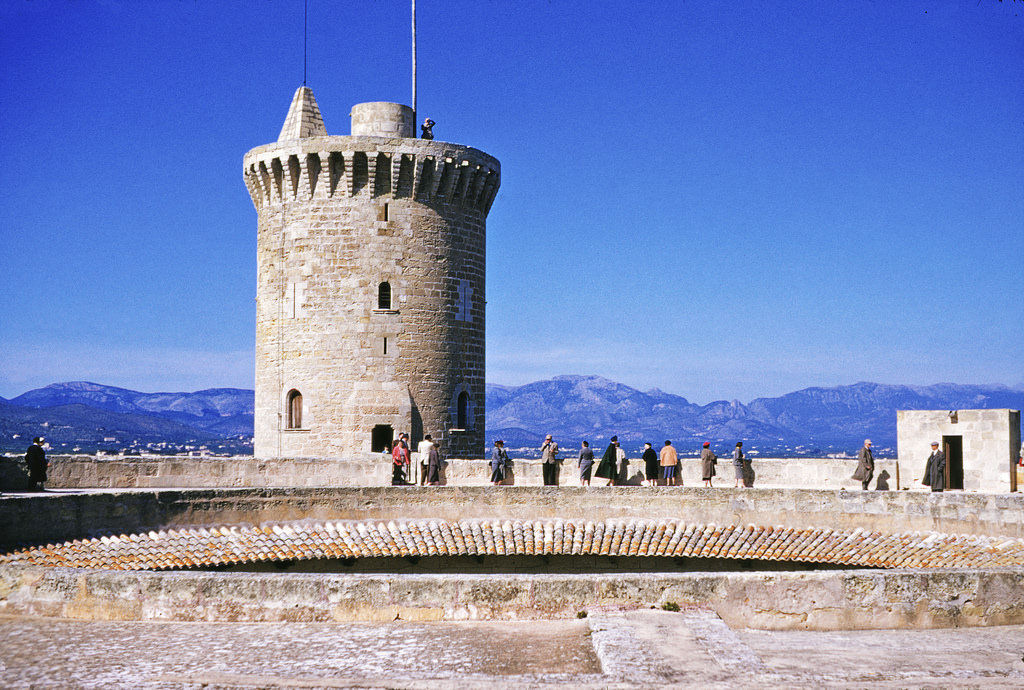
(340, 217)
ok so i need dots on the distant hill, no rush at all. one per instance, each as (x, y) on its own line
(807, 422)
(91, 417)
(812, 421)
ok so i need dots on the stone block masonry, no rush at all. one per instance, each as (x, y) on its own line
(981, 446)
(774, 601)
(370, 286)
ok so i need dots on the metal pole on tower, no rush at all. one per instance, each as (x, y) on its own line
(415, 119)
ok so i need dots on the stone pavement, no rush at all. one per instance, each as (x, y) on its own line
(646, 648)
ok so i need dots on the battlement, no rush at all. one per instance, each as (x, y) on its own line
(331, 166)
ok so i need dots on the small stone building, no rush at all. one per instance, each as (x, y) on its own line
(981, 446)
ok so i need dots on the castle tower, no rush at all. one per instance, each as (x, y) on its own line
(370, 285)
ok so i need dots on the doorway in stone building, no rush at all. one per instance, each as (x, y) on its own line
(953, 447)
(381, 437)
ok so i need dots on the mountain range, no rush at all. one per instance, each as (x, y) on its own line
(92, 417)
(806, 422)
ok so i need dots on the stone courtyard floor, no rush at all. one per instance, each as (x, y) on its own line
(645, 648)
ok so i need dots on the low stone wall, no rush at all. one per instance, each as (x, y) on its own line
(42, 518)
(156, 472)
(775, 601)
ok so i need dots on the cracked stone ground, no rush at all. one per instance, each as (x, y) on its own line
(646, 648)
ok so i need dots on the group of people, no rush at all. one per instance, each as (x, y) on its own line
(659, 466)
(401, 461)
(934, 470)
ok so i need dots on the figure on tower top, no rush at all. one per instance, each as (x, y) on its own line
(428, 129)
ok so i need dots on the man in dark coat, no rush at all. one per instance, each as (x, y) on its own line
(935, 470)
(609, 466)
(35, 458)
(865, 465)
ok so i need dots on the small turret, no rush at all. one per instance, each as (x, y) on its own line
(304, 119)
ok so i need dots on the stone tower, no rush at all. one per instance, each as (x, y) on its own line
(370, 285)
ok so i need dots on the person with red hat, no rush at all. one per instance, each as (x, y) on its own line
(707, 464)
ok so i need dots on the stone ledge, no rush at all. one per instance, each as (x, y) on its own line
(847, 600)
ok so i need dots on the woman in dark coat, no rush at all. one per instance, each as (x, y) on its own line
(652, 465)
(707, 463)
(609, 467)
(737, 463)
(35, 458)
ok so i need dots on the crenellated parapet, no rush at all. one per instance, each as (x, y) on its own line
(327, 167)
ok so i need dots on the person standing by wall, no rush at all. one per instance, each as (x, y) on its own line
(652, 465)
(585, 463)
(549, 455)
(737, 464)
(669, 459)
(499, 463)
(434, 467)
(707, 464)
(399, 456)
(865, 465)
(622, 476)
(935, 470)
(608, 467)
(423, 453)
(35, 458)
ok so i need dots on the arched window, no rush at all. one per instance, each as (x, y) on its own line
(384, 295)
(294, 411)
(462, 417)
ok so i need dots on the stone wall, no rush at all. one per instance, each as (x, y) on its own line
(84, 471)
(991, 443)
(774, 601)
(42, 518)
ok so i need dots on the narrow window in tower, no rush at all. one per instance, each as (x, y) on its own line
(294, 411)
(463, 301)
(385, 345)
(384, 295)
(462, 418)
(382, 213)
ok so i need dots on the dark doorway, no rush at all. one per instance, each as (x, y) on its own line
(381, 437)
(953, 447)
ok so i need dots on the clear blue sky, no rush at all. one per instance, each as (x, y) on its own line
(723, 200)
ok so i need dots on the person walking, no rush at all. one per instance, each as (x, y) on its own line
(865, 465)
(935, 470)
(35, 458)
(585, 463)
(549, 455)
(499, 463)
(669, 459)
(652, 466)
(608, 467)
(737, 463)
(434, 467)
(708, 460)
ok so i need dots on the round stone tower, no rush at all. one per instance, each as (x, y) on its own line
(370, 285)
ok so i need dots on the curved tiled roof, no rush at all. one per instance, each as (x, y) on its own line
(210, 546)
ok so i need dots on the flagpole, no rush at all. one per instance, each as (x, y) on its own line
(414, 117)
